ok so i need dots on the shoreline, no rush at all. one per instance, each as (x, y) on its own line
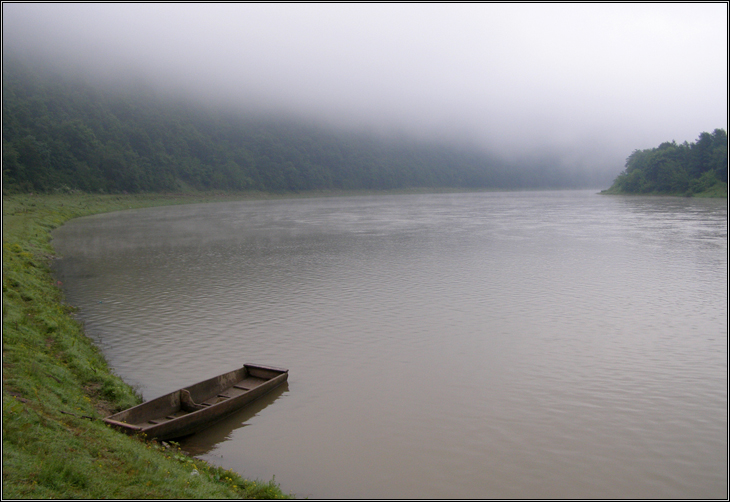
(57, 384)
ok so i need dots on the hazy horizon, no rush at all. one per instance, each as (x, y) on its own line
(582, 84)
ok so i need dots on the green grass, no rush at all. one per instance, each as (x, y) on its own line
(717, 190)
(56, 383)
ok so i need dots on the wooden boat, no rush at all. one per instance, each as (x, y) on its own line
(193, 408)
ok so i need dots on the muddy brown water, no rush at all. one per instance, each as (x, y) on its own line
(484, 345)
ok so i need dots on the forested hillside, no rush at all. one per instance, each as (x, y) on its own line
(67, 134)
(676, 169)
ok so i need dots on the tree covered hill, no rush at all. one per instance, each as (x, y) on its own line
(676, 169)
(62, 133)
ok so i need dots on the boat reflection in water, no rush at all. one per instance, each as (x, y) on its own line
(206, 440)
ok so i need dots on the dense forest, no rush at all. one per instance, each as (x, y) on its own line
(62, 133)
(670, 168)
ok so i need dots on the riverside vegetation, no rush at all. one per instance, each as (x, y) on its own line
(690, 169)
(56, 383)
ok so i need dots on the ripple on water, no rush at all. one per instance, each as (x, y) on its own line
(549, 345)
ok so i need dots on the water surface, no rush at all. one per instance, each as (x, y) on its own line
(486, 345)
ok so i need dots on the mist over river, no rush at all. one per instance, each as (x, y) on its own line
(473, 345)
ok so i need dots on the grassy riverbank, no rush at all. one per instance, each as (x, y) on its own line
(56, 383)
(716, 191)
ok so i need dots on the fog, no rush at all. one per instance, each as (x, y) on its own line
(585, 84)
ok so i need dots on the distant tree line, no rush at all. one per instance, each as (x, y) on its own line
(676, 169)
(66, 134)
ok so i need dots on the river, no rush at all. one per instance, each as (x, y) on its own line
(471, 345)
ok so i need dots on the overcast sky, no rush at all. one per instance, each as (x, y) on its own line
(592, 82)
